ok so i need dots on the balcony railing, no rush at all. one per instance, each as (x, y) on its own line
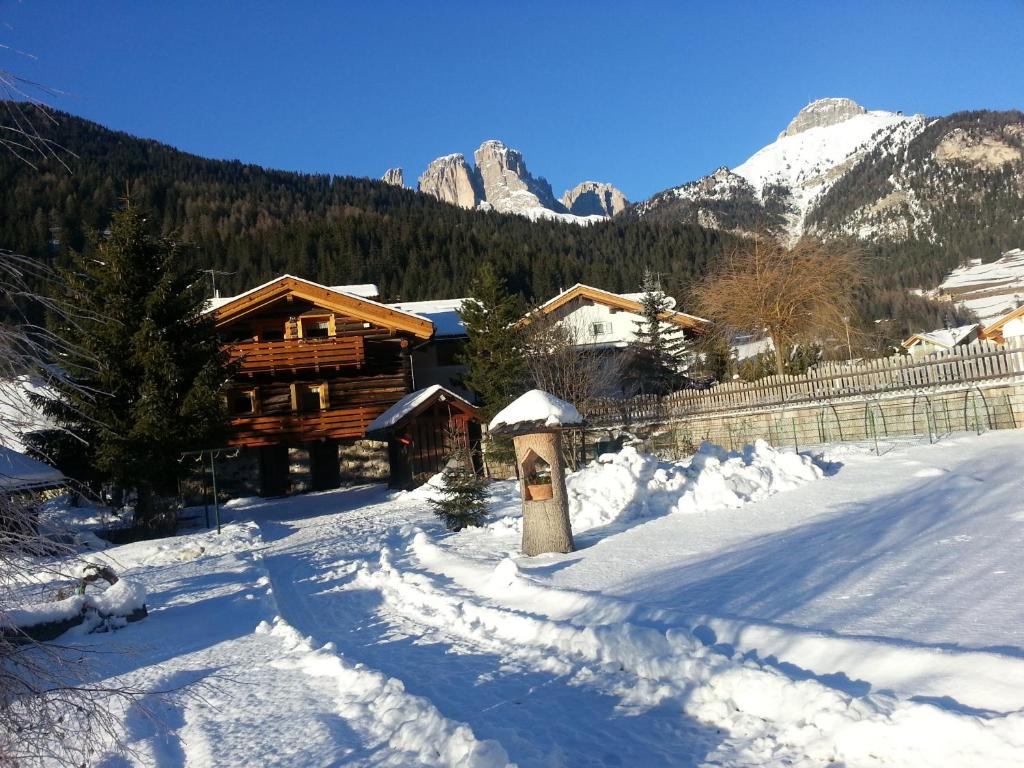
(299, 354)
(304, 427)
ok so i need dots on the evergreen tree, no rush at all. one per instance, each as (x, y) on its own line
(659, 351)
(462, 499)
(144, 367)
(494, 351)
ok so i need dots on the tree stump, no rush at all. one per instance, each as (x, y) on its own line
(546, 525)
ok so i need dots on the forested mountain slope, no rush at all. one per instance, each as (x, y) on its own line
(258, 223)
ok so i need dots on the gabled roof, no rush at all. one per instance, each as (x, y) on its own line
(415, 403)
(330, 298)
(627, 302)
(996, 327)
(946, 338)
(364, 290)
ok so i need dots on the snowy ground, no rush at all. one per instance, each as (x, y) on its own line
(736, 611)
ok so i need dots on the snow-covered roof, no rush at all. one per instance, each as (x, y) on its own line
(19, 472)
(628, 301)
(536, 408)
(412, 403)
(443, 313)
(360, 290)
(947, 337)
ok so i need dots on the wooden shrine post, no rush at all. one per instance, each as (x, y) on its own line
(538, 447)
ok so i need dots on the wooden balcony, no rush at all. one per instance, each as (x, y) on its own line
(294, 355)
(342, 423)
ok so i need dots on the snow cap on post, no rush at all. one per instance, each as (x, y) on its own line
(536, 411)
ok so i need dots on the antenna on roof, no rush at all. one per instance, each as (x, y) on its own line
(213, 279)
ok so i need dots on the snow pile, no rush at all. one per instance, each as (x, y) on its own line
(120, 599)
(379, 707)
(537, 407)
(630, 485)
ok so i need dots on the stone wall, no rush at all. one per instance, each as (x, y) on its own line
(363, 461)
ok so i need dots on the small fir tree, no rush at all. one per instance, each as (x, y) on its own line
(462, 500)
(143, 366)
(660, 352)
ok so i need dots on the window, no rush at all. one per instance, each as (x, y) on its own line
(308, 397)
(600, 329)
(243, 402)
(316, 327)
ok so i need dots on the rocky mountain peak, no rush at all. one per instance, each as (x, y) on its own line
(507, 184)
(450, 179)
(822, 113)
(394, 177)
(590, 198)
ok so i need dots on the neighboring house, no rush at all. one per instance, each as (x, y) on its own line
(1010, 325)
(437, 361)
(921, 345)
(317, 365)
(602, 319)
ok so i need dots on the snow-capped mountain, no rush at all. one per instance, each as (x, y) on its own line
(840, 169)
(500, 181)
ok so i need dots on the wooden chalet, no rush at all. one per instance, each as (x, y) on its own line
(421, 429)
(316, 366)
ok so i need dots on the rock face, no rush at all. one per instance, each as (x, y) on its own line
(507, 185)
(591, 198)
(451, 180)
(394, 177)
(822, 113)
(500, 182)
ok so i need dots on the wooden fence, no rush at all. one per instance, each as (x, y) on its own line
(968, 365)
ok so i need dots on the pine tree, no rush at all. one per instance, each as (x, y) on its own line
(494, 351)
(660, 352)
(144, 367)
(462, 500)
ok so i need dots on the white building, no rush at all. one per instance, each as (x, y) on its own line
(923, 344)
(602, 319)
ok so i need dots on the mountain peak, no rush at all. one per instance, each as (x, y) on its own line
(822, 113)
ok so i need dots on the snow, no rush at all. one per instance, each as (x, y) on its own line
(443, 313)
(809, 162)
(119, 599)
(989, 290)
(19, 472)
(364, 291)
(537, 407)
(18, 415)
(947, 337)
(736, 609)
(407, 405)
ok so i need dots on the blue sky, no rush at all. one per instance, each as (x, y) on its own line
(644, 95)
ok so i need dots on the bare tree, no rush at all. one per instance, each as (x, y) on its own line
(563, 360)
(50, 710)
(803, 294)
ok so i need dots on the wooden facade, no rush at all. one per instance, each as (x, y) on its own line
(314, 366)
(421, 435)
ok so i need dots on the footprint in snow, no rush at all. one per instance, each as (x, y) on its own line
(931, 472)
